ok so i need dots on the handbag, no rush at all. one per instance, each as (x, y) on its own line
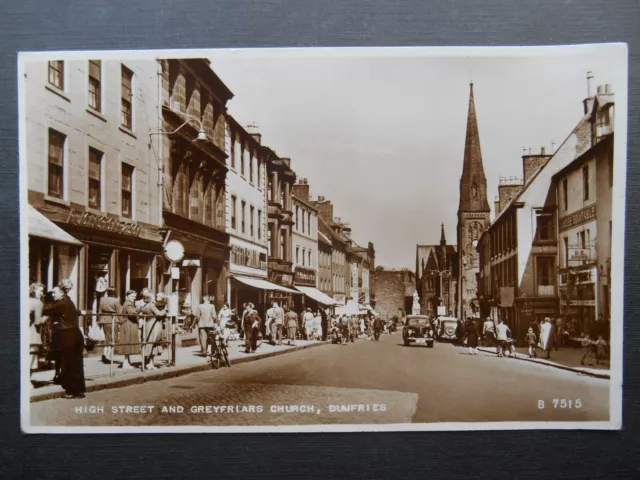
(95, 334)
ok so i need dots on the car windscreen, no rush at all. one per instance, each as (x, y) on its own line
(418, 321)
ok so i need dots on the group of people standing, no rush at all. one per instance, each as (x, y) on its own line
(54, 325)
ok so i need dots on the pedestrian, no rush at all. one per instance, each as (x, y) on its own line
(473, 337)
(152, 331)
(254, 321)
(489, 333)
(308, 324)
(277, 324)
(292, 325)
(224, 319)
(70, 340)
(531, 340)
(546, 336)
(129, 336)
(271, 317)
(36, 323)
(601, 349)
(206, 317)
(459, 332)
(502, 334)
(109, 304)
(317, 326)
(324, 323)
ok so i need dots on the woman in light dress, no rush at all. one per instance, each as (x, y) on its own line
(35, 322)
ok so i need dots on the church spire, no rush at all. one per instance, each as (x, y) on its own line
(473, 183)
(443, 239)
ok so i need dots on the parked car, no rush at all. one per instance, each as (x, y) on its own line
(418, 329)
(446, 328)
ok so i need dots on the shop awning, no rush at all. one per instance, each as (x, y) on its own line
(351, 308)
(317, 295)
(41, 227)
(263, 284)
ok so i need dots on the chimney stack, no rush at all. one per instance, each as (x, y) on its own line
(301, 189)
(325, 209)
(531, 164)
(254, 132)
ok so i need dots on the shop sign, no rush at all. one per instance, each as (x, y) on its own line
(578, 255)
(305, 277)
(583, 303)
(102, 222)
(248, 257)
(100, 262)
(340, 299)
(281, 278)
(578, 218)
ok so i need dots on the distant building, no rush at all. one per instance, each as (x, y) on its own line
(436, 276)
(394, 291)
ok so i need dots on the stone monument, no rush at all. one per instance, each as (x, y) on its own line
(415, 309)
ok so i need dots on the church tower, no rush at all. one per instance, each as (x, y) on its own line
(473, 215)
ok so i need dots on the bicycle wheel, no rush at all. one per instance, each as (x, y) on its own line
(215, 358)
(225, 356)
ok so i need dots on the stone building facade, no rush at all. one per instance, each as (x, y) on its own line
(92, 179)
(394, 291)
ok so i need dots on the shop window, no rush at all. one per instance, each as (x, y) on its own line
(251, 221)
(95, 85)
(55, 187)
(56, 73)
(234, 202)
(95, 178)
(126, 98)
(127, 189)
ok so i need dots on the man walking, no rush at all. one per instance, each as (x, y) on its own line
(278, 323)
(271, 316)
(324, 323)
(247, 326)
(503, 336)
(489, 333)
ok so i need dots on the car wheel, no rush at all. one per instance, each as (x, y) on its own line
(407, 343)
(430, 345)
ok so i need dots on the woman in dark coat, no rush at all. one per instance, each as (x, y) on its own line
(473, 335)
(129, 330)
(70, 340)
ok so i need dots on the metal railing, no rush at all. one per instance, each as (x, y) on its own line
(167, 338)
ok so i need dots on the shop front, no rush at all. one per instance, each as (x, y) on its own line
(305, 282)
(117, 253)
(578, 305)
(54, 254)
(196, 266)
(247, 261)
(530, 309)
(282, 278)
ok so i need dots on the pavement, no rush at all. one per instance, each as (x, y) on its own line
(565, 358)
(366, 382)
(99, 376)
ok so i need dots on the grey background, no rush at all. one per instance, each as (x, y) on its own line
(119, 24)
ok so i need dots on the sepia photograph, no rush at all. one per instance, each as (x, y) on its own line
(322, 239)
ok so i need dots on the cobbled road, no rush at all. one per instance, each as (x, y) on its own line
(364, 382)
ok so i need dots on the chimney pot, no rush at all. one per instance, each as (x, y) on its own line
(608, 88)
(320, 198)
(600, 89)
(543, 150)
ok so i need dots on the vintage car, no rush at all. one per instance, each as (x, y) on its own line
(418, 329)
(446, 328)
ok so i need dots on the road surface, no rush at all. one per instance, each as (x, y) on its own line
(364, 382)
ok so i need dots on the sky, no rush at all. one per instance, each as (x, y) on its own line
(380, 132)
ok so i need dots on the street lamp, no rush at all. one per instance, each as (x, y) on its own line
(464, 267)
(202, 136)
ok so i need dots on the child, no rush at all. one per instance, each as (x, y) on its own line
(600, 348)
(531, 341)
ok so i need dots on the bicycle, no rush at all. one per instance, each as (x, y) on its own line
(218, 355)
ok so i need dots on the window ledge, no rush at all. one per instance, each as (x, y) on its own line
(127, 131)
(57, 91)
(96, 211)
(57, 200)
(96, 114)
